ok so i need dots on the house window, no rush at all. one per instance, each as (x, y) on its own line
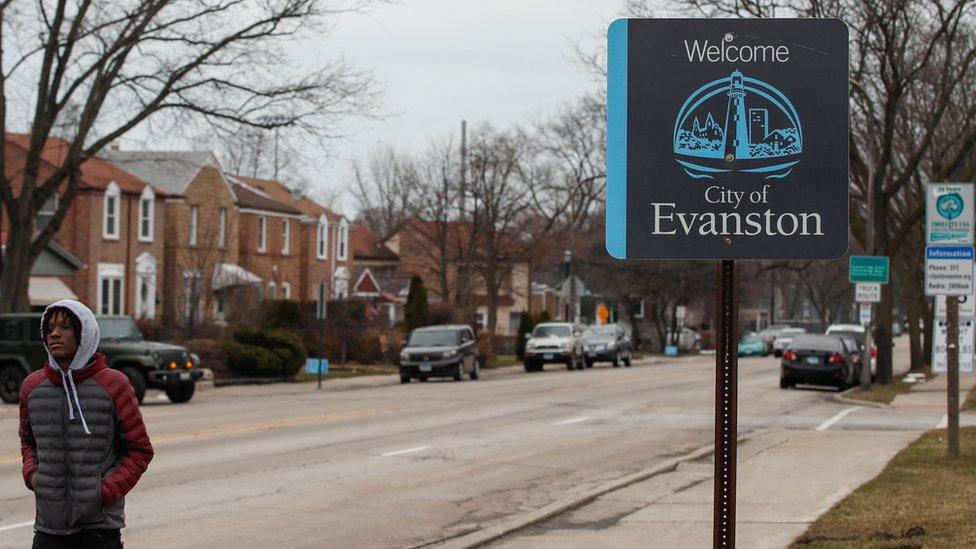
(320, 302)
(272, 291)
(263, 235)
(285, 236)
(285, 290)
(322, 240)
(47, 211)
(480, 320)
(343, 240)
(111, 294)
(638, 308)
(110, 227)
(146, 203)
(222, 229)
(145, 286)
(194, 220)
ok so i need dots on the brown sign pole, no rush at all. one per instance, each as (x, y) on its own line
(726, 396)
(952, 346)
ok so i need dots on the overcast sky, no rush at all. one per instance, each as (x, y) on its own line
(441, 61)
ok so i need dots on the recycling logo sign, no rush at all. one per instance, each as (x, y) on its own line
(949, 214)
(728, 139)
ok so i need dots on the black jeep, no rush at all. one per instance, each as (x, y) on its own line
(147, 364)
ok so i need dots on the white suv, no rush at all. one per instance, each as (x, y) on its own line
(554, 342)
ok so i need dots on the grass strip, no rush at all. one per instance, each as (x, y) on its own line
(970, 403)
(880, 393)
(921, 499)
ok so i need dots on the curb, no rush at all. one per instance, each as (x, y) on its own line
(482, 537)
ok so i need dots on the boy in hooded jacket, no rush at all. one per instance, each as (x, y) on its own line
(82, 437)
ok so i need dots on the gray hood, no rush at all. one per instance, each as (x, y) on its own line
(87, 345)
(87, 341)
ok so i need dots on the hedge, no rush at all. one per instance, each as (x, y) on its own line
(251, 360)
(287, 348)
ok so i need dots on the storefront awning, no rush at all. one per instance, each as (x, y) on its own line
(231, 274)
(45, 290)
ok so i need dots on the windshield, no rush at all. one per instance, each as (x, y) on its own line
(602, 332)
(791, 332)
(433, 338)
(817, 343)
(856, 336)
(751, 339)
(118, 328)
(551, 331)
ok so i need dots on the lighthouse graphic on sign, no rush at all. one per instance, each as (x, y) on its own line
(760, 130)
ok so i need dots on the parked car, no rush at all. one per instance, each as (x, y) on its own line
(440, 351)
(689, 341)
(784, 338)
(554, 342)
(769, 334)
(147, 364)
(607, 343)
(818, 360)
(857, 332)
(752, 345)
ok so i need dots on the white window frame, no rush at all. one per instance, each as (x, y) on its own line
(321, 300)
(286, 290)
(111, 273)
(342, 244)
(285, 236)
(194, 223)
(146, 277)
(322, 238)
(53, 202)
(272, 291)
(262, 234)
(147, 218)
(114, 195)
(222, 228)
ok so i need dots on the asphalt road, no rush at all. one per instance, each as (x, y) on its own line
(372, 463)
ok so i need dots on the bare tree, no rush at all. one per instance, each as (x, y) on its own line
(387, 191)
(100, 69)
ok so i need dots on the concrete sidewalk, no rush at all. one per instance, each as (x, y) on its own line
(931, 395)
(786, 479)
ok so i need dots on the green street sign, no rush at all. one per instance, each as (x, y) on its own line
(869, 268)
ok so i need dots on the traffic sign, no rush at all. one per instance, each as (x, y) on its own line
(864, 314)
(949, 213)
(868, 292)
(869, 268)
(727, 139)
(967, 307)
(940, 353)
(316, 366)
(948, 270)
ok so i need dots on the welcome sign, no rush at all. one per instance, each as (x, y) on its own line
(727, 139)
(949, 213)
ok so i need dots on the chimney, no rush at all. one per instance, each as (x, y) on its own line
(115, 146)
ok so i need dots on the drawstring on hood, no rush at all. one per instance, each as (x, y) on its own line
(88, 341)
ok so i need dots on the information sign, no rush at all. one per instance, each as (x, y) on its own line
(313, 365)
(869, 268)
(940, 356)
(948, 270)
(727, 139)
(949, 213)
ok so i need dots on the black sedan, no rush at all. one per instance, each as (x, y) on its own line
(818, 360)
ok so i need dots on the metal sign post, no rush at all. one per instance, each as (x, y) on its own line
(952, 348)
(869, 273)
(740, 153)
(726, 400)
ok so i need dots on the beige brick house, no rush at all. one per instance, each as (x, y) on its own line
(115, 228)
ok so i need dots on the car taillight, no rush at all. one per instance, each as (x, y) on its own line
(836, 358)
(789, 355)
(874, 351)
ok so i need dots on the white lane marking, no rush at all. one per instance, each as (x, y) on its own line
(407, 451)
(15, 526)
(574, 420)
(944, 422)
(837, 417)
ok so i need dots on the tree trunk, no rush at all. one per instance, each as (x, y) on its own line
(928, 316)
(914, 335)
(15, 272)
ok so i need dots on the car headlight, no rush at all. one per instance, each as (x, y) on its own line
(404, 356)
(530, 345)
(449, 354)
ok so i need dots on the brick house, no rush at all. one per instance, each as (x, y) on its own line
(435, 255)
(114, 227)
(201, 254)
(375, 274)
(323, 236)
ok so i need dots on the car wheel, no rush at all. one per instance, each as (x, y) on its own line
(627, 360)
(784, 383)
(11, 377)
(404, 379)
(423, 379)
(529, 367)
(138, 382)
(181, 393)
(475, 374)
(571, 365)
(616, 360)
(589, 363)
(459, 374)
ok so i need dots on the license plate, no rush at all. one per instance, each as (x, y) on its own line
(591, 354)
(813, 360)
(548, 356)
(425, 367)
(184, 376)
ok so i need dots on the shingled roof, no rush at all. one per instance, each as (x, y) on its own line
(251, 199)
(168, 171)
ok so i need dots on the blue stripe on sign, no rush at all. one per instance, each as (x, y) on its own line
(948, 252)
(616, 238)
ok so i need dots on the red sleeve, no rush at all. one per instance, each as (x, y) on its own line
(28, 448)
(138, 449)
